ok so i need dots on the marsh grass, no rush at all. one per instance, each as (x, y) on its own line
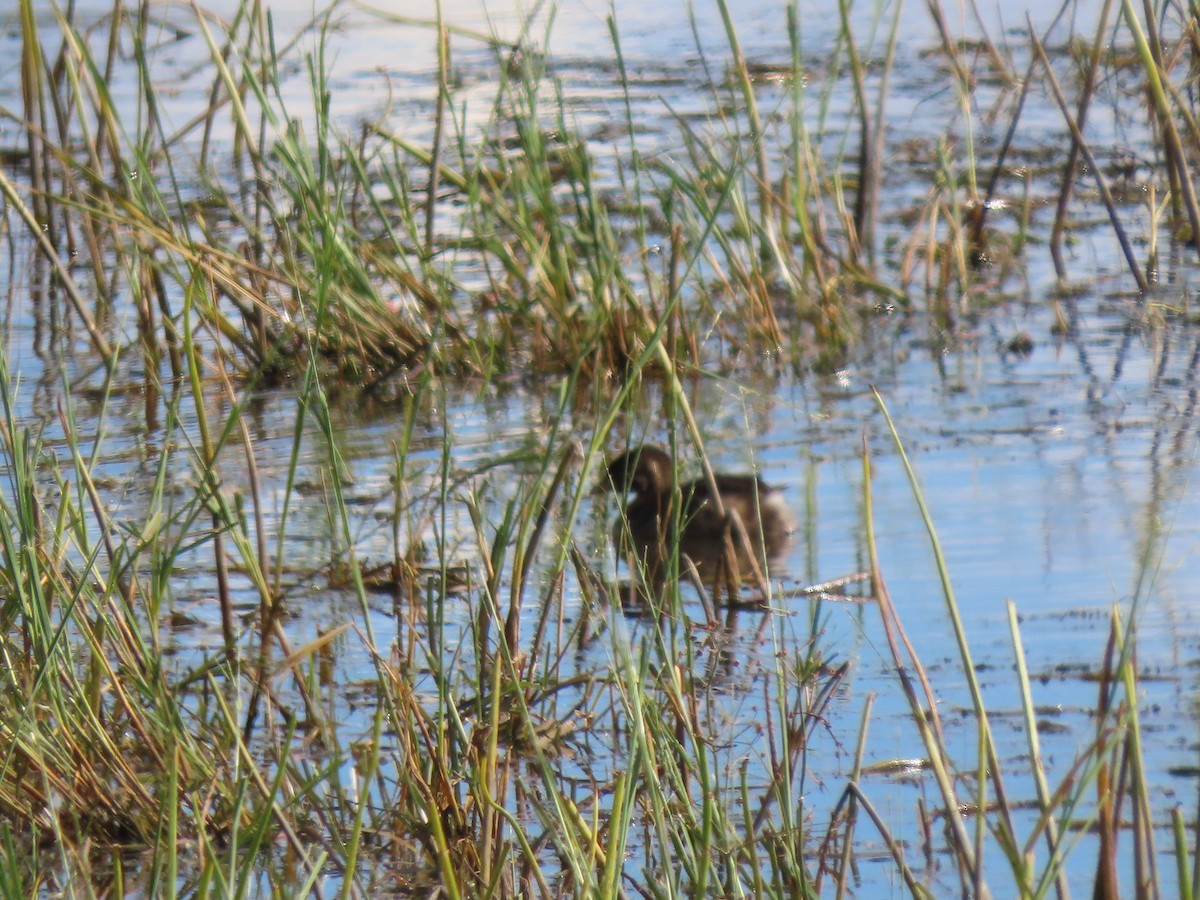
(259, 245)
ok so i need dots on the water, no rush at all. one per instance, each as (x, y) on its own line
(1060, 480)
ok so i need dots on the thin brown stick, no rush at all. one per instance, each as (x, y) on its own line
(1068, 179)
(980, 219)
(1101, 185)
(60, 271)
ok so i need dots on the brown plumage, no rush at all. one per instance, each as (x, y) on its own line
(709, 538)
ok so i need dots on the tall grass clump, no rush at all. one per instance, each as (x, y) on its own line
(215, 683)
(483, 246)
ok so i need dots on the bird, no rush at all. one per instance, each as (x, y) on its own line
(726, 541)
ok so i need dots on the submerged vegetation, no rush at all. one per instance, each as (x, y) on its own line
(178, 268)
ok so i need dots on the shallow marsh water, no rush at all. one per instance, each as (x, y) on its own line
(1061, 480)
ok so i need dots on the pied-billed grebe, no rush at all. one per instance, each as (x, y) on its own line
(709, 533)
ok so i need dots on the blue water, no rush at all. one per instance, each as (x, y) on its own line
(1061, 481)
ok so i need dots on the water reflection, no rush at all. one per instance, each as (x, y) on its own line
(1058, 476)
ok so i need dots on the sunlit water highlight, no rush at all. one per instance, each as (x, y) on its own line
(1054, 480)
